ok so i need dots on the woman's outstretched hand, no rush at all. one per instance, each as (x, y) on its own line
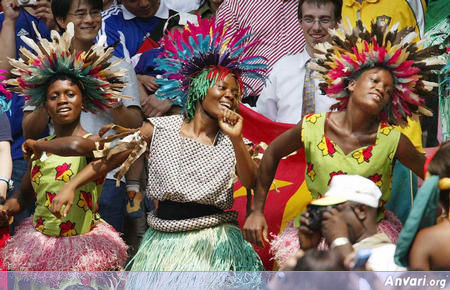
(65, 197)
(30, 150)
(255, 229)
(231, 123)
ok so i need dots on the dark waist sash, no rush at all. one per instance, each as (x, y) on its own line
(171, 210)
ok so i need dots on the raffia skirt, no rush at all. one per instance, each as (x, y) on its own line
(101, 249)
(218, 248)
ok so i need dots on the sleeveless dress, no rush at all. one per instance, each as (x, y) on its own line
(81, 241)
(185, 171)
(324, 159)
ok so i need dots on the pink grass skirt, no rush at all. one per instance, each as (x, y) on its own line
(286, 244)
(101, 249)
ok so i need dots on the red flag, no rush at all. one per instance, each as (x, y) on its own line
(293, 195)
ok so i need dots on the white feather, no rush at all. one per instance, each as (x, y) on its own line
(408, 38)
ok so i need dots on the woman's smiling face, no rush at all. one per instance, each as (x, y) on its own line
(64, 102)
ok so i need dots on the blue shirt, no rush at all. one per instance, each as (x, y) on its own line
(135, 30)
(23, 27)
(147, 65)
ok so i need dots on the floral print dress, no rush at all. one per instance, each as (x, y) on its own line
(324, 158)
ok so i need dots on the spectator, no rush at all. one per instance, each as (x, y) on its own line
(347, 218)
(274, 24)
(136, 25)
(16, 21)
(282, 100)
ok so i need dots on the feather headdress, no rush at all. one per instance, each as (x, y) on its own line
(101, 85)
(5, 95)
(351, 50)
(200, 47)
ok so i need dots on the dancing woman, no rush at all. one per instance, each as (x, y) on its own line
(378, 79)
(193, 158)
(64, 82)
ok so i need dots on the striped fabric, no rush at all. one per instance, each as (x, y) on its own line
(273, 22)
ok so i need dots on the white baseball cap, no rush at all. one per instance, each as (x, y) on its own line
(355, 188)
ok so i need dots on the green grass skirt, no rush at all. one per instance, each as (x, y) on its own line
(220, 248)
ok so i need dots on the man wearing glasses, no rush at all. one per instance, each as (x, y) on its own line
(291, 92)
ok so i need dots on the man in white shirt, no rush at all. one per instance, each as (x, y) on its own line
(282, 98)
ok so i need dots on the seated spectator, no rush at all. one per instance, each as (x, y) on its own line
(291, 92)
(346, 217)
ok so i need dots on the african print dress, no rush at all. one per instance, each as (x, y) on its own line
(47, 243)
(324, 159)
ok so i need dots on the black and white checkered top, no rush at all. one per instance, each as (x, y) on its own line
(184, 170)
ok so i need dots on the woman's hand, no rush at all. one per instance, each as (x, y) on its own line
(231, 123)
(30, 150)
(65, 197)
(256, 229)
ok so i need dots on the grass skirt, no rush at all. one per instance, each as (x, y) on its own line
(219, 248)
(100, 249)
(287, 244)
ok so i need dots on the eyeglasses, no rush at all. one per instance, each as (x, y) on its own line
(322, 20)
(95, 13)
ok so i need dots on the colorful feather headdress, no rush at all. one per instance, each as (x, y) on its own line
(353, 49)
(101, 85)
(5, 95)
(201, 47)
